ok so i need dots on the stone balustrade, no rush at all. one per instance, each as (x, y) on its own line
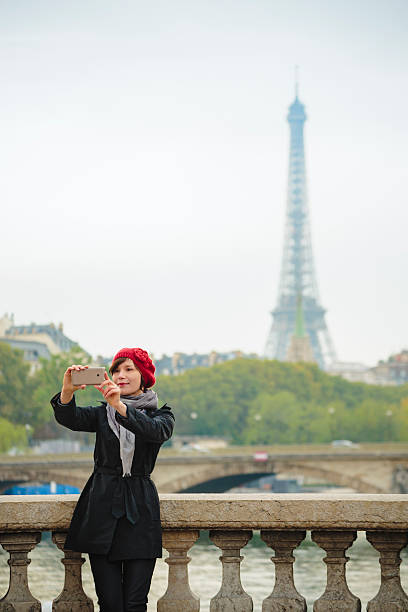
(282, 520)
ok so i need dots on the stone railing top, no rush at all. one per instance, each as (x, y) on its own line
(225, 511)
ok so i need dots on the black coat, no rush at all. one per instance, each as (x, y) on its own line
(117, 516)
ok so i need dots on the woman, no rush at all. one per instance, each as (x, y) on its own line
(117, 517)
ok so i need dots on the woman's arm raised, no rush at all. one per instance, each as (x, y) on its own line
(155, 428)
(68, 388)
(65, 409)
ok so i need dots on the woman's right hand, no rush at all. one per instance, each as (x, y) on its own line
(68, 388)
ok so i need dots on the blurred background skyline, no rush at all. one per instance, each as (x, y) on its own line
(144, 151)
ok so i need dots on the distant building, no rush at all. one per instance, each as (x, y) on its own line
(354, 372)
(180, 362)
(394, 371)
(36, 341)
(33, 351)
(6, 321)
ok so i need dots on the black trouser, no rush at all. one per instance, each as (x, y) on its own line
(122, 586)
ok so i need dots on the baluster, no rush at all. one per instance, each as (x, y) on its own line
(18, 597)
(337, 595)
(231, 597)
(391, 597)
(178, 596)
(284, 595)
(72, 597)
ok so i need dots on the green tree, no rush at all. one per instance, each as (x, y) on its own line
(16, 386)
(11, 435)
(273, 419)
(294, 402)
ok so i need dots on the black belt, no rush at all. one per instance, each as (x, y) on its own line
(117, 471)
(123, 501)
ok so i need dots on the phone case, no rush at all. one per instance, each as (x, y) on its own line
(91, 376)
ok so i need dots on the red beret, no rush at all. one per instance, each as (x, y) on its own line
(142, 361)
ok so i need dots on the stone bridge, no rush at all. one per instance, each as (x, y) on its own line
(364, 472)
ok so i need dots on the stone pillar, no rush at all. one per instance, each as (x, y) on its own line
(284, 595)
(337, 595)
(72, 596)
(391, 597)
(178, 596)
(231, 597)
(18, 597)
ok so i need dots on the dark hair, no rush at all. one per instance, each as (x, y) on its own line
(116, 364)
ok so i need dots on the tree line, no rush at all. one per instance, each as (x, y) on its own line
(25, 410)
(248, 401)
(256, 401)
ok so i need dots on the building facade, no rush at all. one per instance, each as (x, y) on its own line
(181, 362)
(36, 341)
(393, 371)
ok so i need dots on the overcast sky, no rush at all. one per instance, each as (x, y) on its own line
(143, 168)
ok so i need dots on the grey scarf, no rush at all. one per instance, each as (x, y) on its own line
(144, 401)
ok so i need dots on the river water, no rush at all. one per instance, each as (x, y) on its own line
(46, 572)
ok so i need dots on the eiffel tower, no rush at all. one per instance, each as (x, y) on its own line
(298, 279)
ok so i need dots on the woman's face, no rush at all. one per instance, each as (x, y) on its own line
(128, 378)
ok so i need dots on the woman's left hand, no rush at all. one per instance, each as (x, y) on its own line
(111, 393)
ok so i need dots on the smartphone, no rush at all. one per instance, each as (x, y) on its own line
(90, 376)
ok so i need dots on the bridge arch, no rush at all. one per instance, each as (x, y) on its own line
(188, 477)
(223, 483)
